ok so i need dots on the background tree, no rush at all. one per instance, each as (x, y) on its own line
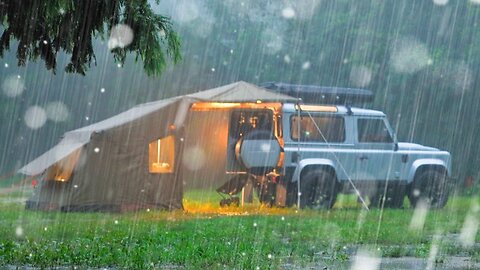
(46, 28)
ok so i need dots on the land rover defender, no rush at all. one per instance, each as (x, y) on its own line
(306, 153)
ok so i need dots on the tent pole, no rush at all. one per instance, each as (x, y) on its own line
(299, 193)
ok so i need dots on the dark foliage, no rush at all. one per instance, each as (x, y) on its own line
(46, 28)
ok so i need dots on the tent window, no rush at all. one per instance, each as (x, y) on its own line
(161, 155)
(62, 170)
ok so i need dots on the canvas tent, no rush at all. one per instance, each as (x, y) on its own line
(129, 161)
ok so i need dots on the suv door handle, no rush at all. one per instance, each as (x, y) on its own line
(362, 158)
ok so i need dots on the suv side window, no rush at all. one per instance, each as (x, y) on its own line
(373, 131)
(318, 128)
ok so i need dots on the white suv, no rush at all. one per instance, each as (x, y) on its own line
(306, 154)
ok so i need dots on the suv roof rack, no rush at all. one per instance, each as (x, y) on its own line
(322, 94)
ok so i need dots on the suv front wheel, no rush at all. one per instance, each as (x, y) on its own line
(429, 186)
(318, 189)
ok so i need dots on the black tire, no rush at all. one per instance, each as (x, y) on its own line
(318, 189)
(393, 197)
(266, 193)
(429, 186)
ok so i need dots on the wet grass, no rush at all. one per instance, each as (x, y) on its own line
(207, 236)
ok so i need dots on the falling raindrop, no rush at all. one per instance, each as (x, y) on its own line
(121, 35)
(13, 86)
(35, 117)
(287, 59)
(102, 90)
(6, 65)
(440, 2)
(57, 111)
(96, 150)
(116, 222)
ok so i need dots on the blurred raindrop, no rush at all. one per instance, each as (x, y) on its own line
(35, 117)
(366, 259)
(288, 13)
(194, 158)
(431, 262)
(440, 2)
(360, 76)
(121, 36)
(272, 39)
(462, 77)
(184, 11)
(470, 226)
(57, 111)
(306, 65)
(409, 56)
(419, 215)
(19, 231)
(287, 59)
(13, 86)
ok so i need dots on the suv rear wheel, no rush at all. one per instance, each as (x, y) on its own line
(394, 196)
(318, 189)
(429, 186)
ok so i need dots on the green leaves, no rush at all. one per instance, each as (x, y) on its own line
(72, 27)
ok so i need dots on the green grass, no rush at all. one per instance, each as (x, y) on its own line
(207, 236)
